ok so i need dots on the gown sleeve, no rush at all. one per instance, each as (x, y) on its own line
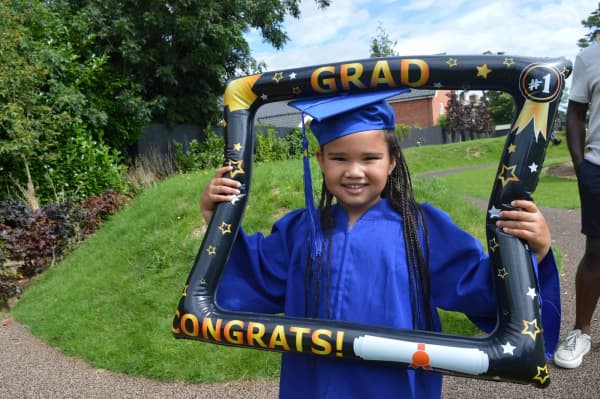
(462, 281)
(255, 277)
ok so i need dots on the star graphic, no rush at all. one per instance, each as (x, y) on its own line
(502, 273)
(494, 245)
(237, 147)
(237, 167)
(452, 62)
(212, 250)
(297, 90)
(236, 198)
(508, 349)
(483, 71)
(225, 228)
(278, 77)
(494, 212)
(509, 62)
(512, 148)
(184, 293)
(533, 167)
(264, 97)
(512, 176)
(531, 292)
(542, 374)
(530, 328)
(292, 75)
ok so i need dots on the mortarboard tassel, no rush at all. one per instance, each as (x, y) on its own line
(316, 236)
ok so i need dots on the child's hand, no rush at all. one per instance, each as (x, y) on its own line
(219, 189)
(529, 224)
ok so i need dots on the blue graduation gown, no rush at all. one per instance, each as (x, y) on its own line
(367, 282)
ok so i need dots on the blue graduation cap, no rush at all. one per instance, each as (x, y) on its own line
(334, 117)
(340, 115)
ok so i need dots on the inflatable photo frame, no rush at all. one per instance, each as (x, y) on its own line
(514, 351)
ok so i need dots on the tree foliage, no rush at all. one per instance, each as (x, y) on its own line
(593, 23)
(46, 116)
(467, 120)
(381, 44)
(179, 54)
(501, 106)
(80, 79)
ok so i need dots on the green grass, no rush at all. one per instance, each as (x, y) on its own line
(112, 300)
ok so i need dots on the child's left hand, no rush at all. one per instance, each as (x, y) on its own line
(527, 223)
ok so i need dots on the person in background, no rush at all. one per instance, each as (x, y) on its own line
(369, 254)
(585, 154)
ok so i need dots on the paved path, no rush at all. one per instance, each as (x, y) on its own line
(31, 369)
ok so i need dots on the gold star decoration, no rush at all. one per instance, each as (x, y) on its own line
(510, 170)
(237, 167)
(542, 374)
(278, 77)
(494, 244)
(297, 90)
(452, 62)
(483, 71)
(530, 328)
(502, 273)
(512, 148)
(212, 250)
(184, 293)
(225, 228)
(237, 147)
(509, 62)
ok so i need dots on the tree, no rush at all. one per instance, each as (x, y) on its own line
(46, 120)
(381, 44)
(454, 120)
(501, 106)
(593, 23)
(179, 55)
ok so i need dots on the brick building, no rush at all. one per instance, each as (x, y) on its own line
(420, 108)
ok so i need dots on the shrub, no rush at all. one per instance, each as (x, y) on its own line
(33, 240)
(207, 154)
(84, 168)
(269, 147)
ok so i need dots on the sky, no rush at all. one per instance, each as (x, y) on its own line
(344, 30)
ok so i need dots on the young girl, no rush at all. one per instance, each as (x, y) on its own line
(375, 255)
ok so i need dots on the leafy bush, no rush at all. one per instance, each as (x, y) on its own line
(33, 240)
(207, 154)
(85, 167)
(269, 147)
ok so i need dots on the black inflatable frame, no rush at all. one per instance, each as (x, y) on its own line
(514, 352)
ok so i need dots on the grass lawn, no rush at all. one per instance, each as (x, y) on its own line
(112, 300)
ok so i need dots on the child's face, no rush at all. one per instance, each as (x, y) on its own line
(355, 169)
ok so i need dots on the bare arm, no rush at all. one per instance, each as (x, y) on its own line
(576, 113)
(529, 224)
(219, 189)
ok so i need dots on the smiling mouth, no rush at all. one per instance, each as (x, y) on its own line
(354, 186)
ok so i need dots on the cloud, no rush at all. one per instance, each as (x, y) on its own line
(343, 31)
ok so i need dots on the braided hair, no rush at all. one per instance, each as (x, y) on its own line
(399, 192)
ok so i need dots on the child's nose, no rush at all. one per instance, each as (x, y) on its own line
(354, 170)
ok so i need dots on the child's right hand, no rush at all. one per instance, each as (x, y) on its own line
(219, 189)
